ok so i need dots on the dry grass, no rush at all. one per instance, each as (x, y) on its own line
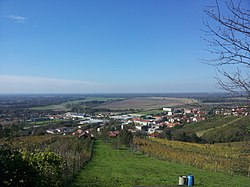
(147, 103)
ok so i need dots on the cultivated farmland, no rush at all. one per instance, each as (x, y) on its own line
(63, 106)
(147, 103)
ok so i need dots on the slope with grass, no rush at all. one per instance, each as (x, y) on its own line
(220, 129)
(220, 125)
(121, 167)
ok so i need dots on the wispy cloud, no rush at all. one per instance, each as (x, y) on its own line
(18, 19)
(32, 84)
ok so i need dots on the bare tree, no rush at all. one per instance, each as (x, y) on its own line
(228, 37)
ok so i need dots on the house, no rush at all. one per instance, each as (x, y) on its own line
(143, 122)
(167, 109)
(113, 133)
(60, 130)
(85, 135)
(52, 131)
(91, 121)
(74, 115)
(158, 119)
(154, 135)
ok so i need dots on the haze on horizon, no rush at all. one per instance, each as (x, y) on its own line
(110, 46)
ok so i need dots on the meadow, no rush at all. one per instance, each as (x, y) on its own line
(123, 167)
(63, 106)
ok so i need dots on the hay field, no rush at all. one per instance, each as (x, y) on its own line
(147, 103)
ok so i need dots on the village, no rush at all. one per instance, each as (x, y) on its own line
(149, 125)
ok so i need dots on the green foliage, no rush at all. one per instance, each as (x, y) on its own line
(105, 134)
(185, 137)
(48, 166)
(54, 166)
(233, 134)
(11, 130)
(167, 133)
(235, 131)
(15, 171)
(41, 168)
(125, 137)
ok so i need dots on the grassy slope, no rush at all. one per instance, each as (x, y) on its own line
(111, 167)
(209, 123)
(222, 125)
(216, 123)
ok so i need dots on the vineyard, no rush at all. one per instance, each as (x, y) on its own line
(228, 158)
(42, 160)
(218, 129)
(112, 167)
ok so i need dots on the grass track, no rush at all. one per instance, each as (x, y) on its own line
(110, 167)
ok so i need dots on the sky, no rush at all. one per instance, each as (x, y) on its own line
(103, 46)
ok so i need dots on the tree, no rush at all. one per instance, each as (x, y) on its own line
(167, 133)
(181, 135)
(125, 137)
(228, 37)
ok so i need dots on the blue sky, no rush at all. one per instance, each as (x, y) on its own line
(103, 46)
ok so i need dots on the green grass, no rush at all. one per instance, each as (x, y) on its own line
(63, 107)
(229, 122)
(209, 123)
(44, 122)
(113, 167)
(51, 107)
(151, 112)
(215, 123)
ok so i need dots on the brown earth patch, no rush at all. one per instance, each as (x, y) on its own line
(147, 103)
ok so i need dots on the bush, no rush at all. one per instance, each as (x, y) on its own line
(15, 171)
(48, 166)
(185, 137)
(30, 169)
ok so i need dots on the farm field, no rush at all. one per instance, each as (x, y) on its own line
(121, 167)
(147, 103)
(63, 105)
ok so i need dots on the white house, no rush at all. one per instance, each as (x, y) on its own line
(167, 109)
